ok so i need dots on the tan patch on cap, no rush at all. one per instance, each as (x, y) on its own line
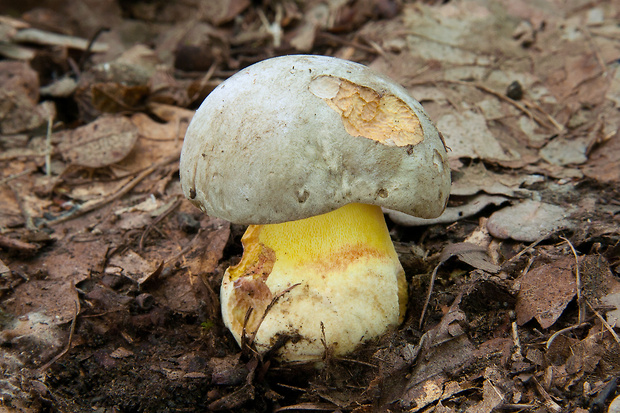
(365, 112)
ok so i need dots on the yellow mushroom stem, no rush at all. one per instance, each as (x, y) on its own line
(348, 283)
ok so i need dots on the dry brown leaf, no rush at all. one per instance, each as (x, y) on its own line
(19, 95)
(604, 162)
(103, 142)
(55, 298)
(477, 178)
(545, 292)
(468, 136)
(528, 221)
(4, 269)
(472, 254)
(430, 381)
(132, 265)
(184, 291)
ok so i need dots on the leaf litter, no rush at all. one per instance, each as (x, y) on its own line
(109, 279)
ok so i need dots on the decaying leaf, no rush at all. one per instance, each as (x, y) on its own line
(529, 221)
(19, 95)
(604, 161)
(55, 299)
(469, 137)
(103, 142)
(132, 265)
(545, 292)
(472, 254)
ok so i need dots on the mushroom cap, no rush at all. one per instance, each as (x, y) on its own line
(297, 136)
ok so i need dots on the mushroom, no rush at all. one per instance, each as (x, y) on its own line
(307, 150)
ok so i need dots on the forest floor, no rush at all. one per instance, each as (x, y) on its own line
(109, 278)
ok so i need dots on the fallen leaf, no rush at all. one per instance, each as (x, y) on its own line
(612, 300)
(56, 299)
(470, 207)
(564, 151)
(4, 269)
(221, 12)
(185, 290)
(19, 94)
(468, 136)
(492, 397)
(528, 221)
(120, 353)
(477, 178)
(103, 142)
(132, 265)
(35, 332)
(430, 381)
(604, 162)
(545, 292)
(472, 254)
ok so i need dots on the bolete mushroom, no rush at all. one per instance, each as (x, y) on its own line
(307, 149)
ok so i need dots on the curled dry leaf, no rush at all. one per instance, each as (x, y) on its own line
(100, 143)
(472, 254)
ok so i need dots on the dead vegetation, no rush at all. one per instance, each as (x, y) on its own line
(109, 279)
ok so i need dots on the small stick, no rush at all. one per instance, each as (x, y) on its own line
(48, 146)
(605, 323)
(271, 304)
(429, 293)
(88, 207)
(549, 403)
(17, 175)
(155, 221)
(562, 331)
(526, 249)
(68, 346)
(518, 353)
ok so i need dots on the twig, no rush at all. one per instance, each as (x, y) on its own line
(514, 103)
(549, 403)
(68, 346)
(429, 293)
(595, 50)
(550, 118)
(526, 249)
(271, 304)
(203, 81)
(185, 249)
(88, 207)
(605, 323)
(48, 146)
(562, 331)
(89, 48)
(22, 207)
(518, 352)
(17, 175)
(157, 220)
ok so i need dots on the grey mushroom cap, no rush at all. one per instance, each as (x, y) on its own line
(297, 136)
